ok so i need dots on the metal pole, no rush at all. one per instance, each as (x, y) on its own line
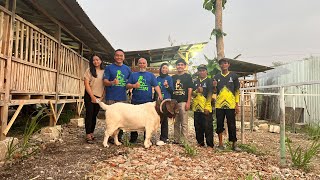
(252, 109)
(282, 128)
(294, 114)
(242, 116)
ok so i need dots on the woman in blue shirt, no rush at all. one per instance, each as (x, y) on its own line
(166, 86)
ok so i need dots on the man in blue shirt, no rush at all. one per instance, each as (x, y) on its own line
(115, 79)
(142, 82)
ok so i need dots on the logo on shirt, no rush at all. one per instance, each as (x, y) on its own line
(143, 85)
(120, 77)
(179, 88)
(230, 80)
(204, 85)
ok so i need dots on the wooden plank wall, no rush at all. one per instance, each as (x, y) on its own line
(247, 109)
(70, 66)
(84, 67)
(33, 63)
(5, 19)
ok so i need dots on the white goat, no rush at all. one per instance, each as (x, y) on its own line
(143, 117)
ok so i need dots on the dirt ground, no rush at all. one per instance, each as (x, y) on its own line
(72, 158)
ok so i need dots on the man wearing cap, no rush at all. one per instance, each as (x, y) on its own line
(202, 92)
(182, 92)
(226, 85)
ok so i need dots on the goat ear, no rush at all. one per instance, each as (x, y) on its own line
(170, 107)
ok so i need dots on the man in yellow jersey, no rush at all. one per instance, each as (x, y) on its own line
(202, 108)
(226, 85)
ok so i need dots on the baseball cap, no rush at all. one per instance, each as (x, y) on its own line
(202, 66)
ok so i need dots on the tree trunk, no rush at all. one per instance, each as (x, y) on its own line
(218, 26)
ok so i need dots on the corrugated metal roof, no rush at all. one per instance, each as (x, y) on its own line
(168, 54)
(73, 19)
(245, 68)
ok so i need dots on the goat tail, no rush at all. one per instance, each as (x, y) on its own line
(102, 105)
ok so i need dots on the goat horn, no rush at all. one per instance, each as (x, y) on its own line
(162, 104)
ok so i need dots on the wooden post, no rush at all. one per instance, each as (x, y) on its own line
(81, 77)
(218, 26)
(282, 128)
(252, 111)
(57, 35)
(242, 115)
(4, 109)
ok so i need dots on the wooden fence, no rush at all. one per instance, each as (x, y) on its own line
(36, 68)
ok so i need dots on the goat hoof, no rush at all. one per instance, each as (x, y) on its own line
(118, 144)
(105, 145)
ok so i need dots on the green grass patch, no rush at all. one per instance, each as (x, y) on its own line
(24, 148)
(189, 149)
(300, 157)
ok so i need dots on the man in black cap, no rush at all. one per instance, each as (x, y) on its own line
(226, 85)
(202, 92)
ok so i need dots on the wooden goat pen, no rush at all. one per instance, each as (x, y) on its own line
(36, 68)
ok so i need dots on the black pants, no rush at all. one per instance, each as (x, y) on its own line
(203, 125)
(92, 110)
(164, 129)
(231, 122)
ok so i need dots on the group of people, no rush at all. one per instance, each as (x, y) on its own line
(112, 82)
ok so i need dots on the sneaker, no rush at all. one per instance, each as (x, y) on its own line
(236, 149)
(160, 143)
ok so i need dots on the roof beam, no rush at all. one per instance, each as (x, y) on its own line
(78, 21)
(34, 3)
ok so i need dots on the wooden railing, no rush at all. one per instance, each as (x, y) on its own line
(34, 61)
(70, 65)
(246, 84)
(5, 18)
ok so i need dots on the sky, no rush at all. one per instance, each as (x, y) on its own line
(262, 31)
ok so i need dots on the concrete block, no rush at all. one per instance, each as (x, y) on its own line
(4, 146)
(274, 129)
(246, 125)
(264, 127)
(49, 134)
(77, 122)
